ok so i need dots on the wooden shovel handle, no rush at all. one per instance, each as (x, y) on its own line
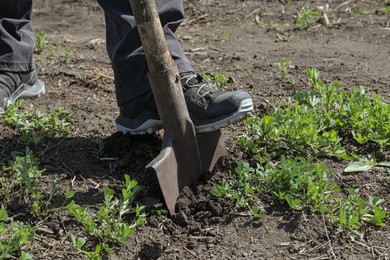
(152, 35)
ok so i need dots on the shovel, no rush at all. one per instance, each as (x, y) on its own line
(184, 156)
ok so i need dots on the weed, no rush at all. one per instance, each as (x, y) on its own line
(41, 204)
(34, 126)
(22, 179)
(352, 210)
(285, 65)
(305, 18)
(283, 31)
(22, 176)
(302, 185)
(310, 125)
(78, 244)
(108, 225)
(226, 35)
(13, 235)
(68, 54)
(217, 81)
(295, 129)
(364, 164)
(242, 189)
(384, 10)
(40, 43)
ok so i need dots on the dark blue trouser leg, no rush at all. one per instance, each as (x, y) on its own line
(125, 49)
(16, 35)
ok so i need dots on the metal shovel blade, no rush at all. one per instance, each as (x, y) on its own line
(177, 167)
(184, 157)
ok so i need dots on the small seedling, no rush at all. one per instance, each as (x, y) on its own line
(305, 18)
(68, 54)
(226, 35)
(285, 65)
(78, 244)
(384, 10)
(217, 81)
(40, 43)
(283, 31)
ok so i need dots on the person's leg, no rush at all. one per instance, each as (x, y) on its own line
(16, 36)
(18, 78)
(208, 109)
(125, 49)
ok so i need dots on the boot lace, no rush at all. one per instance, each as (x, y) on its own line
(189, 79)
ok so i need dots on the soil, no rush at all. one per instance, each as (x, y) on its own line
(222, 37)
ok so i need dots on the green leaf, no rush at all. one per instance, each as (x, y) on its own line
(3, 215)
(384, 164)
(69, 194)
(358, 166)
(374, 201)
(25, 256)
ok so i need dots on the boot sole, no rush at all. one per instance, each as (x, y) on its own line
(150, 126)
(26, 91)
(245, 109)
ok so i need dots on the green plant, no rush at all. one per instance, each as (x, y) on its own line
(226, 35)
(364, 164)
(283, 31)
(34, 126)
(41, 204)
(285, 65)
(352, 210)
(217, 81)
(313, 122)
(310, 124)
(295, 129)
(108, 224)
(302, 185)
(40, 43)
(68, 54)
(13, 236)
(78, 244)
(22, 177)
(384, 10)
(305, 18)
(242, 189)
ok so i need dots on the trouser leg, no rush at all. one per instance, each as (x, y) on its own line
(16, 35)
(125, 50)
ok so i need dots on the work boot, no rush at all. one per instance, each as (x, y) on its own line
(17, 85)
(139, 116)
(209, 109)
